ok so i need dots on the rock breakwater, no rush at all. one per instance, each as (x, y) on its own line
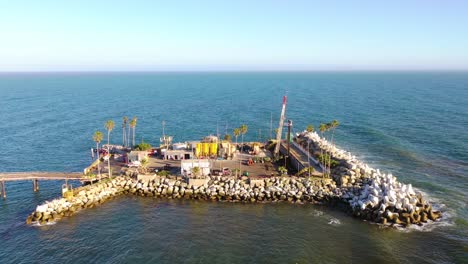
(84, 197)
(289, 189)
(373, 195)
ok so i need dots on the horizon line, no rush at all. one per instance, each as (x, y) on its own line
(231, 71)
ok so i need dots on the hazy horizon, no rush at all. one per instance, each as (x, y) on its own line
(240, 71)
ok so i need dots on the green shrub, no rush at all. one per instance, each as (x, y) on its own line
(325, 157)
(306, 171)
(90, 175)
(282, 170)
(143, 146)
(163, 173)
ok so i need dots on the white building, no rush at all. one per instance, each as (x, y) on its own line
(177, 154)
(137, 155)
(186, 166)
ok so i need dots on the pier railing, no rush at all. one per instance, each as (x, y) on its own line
(35, 177)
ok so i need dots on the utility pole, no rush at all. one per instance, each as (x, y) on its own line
(289, 136)
(288, 139)
(308, 154)
(240, 165)
(271, 125)
(165, 140)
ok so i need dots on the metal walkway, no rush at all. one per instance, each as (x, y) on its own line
(300, 157)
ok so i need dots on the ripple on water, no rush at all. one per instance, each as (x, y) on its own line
(316, 213)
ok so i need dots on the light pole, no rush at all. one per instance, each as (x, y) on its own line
(240, 165)
(308, 155)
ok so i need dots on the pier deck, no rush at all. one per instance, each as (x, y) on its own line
(24, 176)
(35, 177)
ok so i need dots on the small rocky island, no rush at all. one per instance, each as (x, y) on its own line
(350, 184)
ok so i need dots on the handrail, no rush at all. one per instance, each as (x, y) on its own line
(295, 144)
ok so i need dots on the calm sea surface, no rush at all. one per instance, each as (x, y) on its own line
(411, 124)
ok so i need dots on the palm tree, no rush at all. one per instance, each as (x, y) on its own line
(128, 134)
(333, 125)
(237, 132)
(109, 125)
(329, 127)
(323, 129)
(133, 124)
(243, 130)
(144, 165)
(124, 130)
(310, 128)
(196, 172)
(227, 137)
(97, 137)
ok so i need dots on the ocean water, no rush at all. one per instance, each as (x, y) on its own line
(413, 124)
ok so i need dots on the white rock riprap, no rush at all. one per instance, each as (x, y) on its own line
(289, 189)
(373, 195)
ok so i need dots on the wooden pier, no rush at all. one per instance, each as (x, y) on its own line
(35, 177)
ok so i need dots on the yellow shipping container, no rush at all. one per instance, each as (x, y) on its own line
(213, 149)
(206, 149)
(198, 150)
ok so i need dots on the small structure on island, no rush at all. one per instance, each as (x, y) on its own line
(226, 150)
(181, 154)
(137, 155)
(208, 147)
(187, 167)
(178, 151)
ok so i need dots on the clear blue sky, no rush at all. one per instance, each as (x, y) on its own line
(233, 35)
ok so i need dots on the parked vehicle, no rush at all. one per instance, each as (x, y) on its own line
(226, 172)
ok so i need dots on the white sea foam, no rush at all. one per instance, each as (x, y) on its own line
(317, 213)
(46, 224)
(334, 221)
(429, 226)
(384, 189)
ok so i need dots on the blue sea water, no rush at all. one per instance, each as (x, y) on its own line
(412, 124)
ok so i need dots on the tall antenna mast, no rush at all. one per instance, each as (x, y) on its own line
(280, 127)
(166, 140)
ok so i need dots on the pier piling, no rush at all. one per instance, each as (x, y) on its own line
(35, 177)
(3, 189)
(35, 185)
